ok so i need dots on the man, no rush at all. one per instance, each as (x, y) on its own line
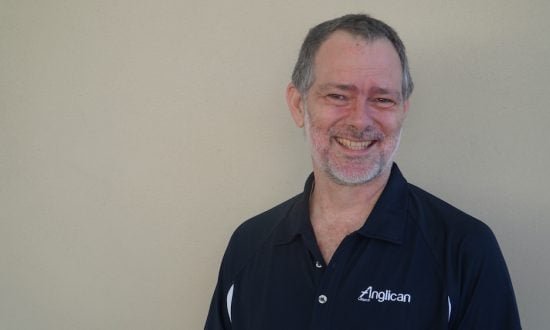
(360, 248)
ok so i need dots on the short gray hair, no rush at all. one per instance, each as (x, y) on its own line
(360, 25)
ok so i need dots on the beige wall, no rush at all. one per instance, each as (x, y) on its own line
(136, 135)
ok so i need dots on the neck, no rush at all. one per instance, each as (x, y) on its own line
(344, 207)
(338, 210)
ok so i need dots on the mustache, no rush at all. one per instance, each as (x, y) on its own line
(352, 132)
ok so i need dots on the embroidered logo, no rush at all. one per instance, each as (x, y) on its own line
(384, 295)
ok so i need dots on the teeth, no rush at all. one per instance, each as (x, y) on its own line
(354, 145)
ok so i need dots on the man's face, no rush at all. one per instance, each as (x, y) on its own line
(353, 112)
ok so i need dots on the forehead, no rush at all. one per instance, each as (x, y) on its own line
(349, 58)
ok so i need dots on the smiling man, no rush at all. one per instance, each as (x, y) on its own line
(360, 248)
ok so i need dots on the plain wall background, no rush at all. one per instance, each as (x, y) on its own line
(136, 135)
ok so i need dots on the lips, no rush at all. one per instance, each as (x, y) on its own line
(354, 145)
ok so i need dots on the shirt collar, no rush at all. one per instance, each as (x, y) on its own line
(297, 222)
(386, 221)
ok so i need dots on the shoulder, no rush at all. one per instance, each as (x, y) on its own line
(255, 230)
(436, 217)
(477, 281)
(453, 236)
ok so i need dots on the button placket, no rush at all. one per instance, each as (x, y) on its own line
(330, 279)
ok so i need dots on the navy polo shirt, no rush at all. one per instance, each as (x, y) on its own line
(417, 263)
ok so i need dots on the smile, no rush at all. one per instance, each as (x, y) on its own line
(354, 145)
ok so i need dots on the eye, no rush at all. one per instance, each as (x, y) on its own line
(338, 100)
(383, 103)
(337, 97)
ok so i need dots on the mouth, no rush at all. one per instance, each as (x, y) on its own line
(354, 145)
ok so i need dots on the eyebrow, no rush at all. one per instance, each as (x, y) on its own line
(344, 87)
(385, 91)
(353, 88)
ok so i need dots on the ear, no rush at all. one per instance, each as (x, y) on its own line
(295, 104)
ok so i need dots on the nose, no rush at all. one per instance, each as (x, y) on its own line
(361, 115)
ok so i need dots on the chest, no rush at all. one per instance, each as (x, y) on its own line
(368, 284)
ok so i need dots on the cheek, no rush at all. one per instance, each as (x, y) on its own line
(316, 133)
(391, 124)
(318, 137)
(326, 125)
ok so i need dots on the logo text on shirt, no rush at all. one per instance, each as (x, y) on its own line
(383, 295)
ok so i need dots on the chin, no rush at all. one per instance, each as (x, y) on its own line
(354, 177)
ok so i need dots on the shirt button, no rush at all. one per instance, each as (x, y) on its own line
(322, 299)
(318, 264)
